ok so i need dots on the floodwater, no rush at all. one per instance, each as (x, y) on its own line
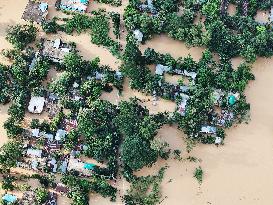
(239, 172)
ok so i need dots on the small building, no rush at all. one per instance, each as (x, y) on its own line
(218, 140)
(99, 76)
(84, 169)
(138, 35)
(35, 11)
(35, 133)
(49, 137)
(190, 74)
(70, 124)
(34, 152)
(149, 7)
(208, 130)
(9, 198)
(36, 105)
(55, 50)
(73, 5)
(161, 69)
(60, 135)
(51, 146)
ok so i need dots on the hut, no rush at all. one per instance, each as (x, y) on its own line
(55, 50)
(161, 69)
(36, 105)
(60, 135)
(34, 152)
(35, 11)
(208, 130)
(138, 35)
(73, 5)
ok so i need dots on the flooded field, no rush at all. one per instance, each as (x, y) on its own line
(240, 172)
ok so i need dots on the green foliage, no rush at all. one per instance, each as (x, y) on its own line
(145, 190)
(4, 85)
(50, 26)
(100, 134)
(116, 23)
(8, 183)
(130, 116)
(71, 140)
(21, 35)
(38, 73)
(13, 129)
(100, 33)
(137, 153)
(10, 153)
(91, 89)
(56, 121)
(78, 23)
(111, 2)
(41, 195)
(198, 174)
(80, 188)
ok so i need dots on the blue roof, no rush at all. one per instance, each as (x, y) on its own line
(9, 198)
(43, 7)
(84, 1)
(88, 166)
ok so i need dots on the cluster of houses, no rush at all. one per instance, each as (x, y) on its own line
(42, 157)
(180, 94)
(29, 198)
(37, 10)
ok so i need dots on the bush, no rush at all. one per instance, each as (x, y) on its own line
(21, 35)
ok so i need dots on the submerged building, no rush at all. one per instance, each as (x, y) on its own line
(35, 11)
(55, 50)
(73, 5)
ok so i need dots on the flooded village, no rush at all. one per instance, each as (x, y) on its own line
(55, 160)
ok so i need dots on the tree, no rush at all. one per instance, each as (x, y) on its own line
(41, 195)
(7, 183)
(137, 153)
(71, 140)
(10, 153)
(91, 89)
(130, 116)
(21, 35)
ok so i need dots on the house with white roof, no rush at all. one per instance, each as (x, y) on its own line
(36, 105)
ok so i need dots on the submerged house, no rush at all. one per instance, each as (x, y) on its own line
(84, 169)
(161, 69)
(149, 7)
(138, 35)
(55, 50)
(73, 5)
(35, 11)
(208, 130)
(36, 105)
(34, 152)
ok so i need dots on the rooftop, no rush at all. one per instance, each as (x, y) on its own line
(35, 11)
(55, 50)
